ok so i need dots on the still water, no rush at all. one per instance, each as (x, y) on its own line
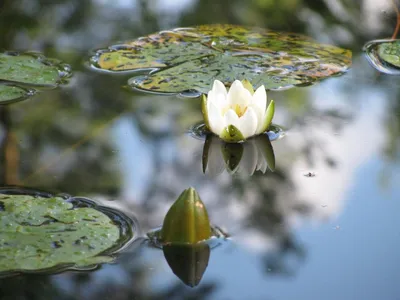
(324, 225)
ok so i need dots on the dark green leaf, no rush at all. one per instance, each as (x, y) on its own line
(31, 69)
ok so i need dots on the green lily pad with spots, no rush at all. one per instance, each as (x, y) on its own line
(47, 233)
(189, 59)
(32, 69)
(390, 52)
(12, 93)
(384, 55)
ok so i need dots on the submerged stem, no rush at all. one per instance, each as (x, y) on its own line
(396, 31)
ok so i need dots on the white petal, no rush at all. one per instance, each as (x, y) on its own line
(231, 118)
(238, 94)
(219, 87)
(259, 103)
(260, 123)
(219, 100)
(218, 95)
(215, 119)
(260, 98)
(248, 123)
(260, 117)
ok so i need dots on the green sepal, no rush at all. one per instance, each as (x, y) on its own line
(231, 134)
(204, 110)
(269, 115)
(248, 86)
(232, 154)
(187, 220)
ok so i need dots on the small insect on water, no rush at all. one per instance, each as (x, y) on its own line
(309, 174)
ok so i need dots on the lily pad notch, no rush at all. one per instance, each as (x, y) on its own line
(187, 60)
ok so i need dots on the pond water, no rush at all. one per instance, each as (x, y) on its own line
(324, 225)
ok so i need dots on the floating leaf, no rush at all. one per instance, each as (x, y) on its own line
(52, 233)
(31, 69)
(186, 221)
(390, 52)
(384, 55)
(11, 93)
(189, 59)
(18, 70)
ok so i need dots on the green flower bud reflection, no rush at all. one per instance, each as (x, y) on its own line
(187, 220)
(188, 262)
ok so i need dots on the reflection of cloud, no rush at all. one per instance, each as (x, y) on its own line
(174, 6)
(374, 12)
(350, 149)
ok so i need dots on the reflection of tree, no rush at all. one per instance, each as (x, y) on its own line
(131, 283)
(29, 287)
(10, 150)
(392, 148)
(61, 146)
(327, 18)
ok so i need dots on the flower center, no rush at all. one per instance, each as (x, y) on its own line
(239, 109)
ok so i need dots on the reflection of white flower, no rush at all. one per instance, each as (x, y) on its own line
(238, 114)
(254, 155)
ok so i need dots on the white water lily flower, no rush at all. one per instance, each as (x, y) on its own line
(238, 114)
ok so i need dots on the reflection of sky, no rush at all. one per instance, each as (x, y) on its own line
(134, 156)
(325, 192)
(357, 260)
(350, 240)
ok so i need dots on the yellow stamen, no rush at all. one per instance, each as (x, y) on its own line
(239, 109)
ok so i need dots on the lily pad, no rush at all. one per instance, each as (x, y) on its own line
(189, 59)
(12, 93)
(384, 55)
(50, 233)
(32, 69)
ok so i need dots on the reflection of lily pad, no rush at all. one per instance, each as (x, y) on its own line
(11, 93)
(384, 55)
(31, 69)
(187, 59)
(52, 233)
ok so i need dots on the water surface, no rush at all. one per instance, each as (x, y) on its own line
(332, 235)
